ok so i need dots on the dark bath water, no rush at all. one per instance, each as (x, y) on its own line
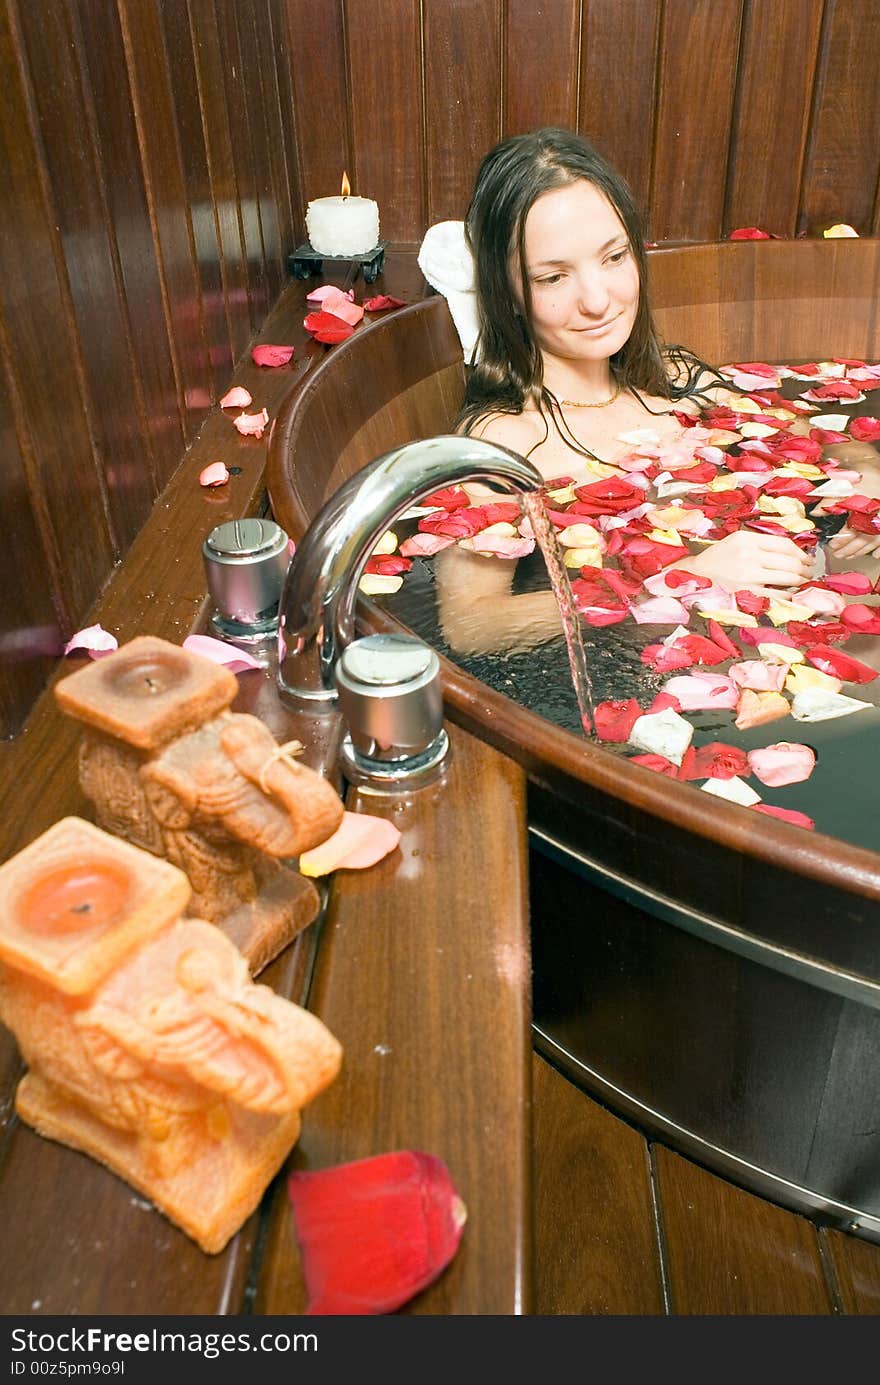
(841, 795)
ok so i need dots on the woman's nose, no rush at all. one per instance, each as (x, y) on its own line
(593, 295)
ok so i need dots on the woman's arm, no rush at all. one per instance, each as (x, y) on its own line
(479, 613)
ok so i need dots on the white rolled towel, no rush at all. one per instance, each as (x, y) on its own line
(445, 260)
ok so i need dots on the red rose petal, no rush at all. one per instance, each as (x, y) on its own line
(614, 720)
(326, 328)
(271, 355)
(785, 814)
(865, 429)
(376, 1231)
(748, 233)
(839, 665)
(382, 302)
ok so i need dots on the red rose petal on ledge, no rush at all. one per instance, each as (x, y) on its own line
(327, 328)
(376, 1231)
(382, 302)
(271, 355)
(749, 233)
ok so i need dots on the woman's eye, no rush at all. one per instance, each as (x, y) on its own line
(549, 279)
(618, 256)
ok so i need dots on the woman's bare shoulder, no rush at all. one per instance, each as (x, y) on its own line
(520, 432)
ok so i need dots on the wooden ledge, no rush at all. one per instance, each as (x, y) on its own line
(425, 956)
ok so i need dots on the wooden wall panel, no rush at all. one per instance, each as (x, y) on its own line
(221, 171)
(320, 96)
(843, 163)
(126, 198)
(772, 119)
(112, 400)
(184, 87)
(460, 130)
(541, 65)
(39, 330)
(385, 64)
(618, 100)
(699, 43)
(279, 39)
(146, 153)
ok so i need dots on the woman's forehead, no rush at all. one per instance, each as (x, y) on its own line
(576, 219)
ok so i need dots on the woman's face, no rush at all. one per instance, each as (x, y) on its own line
(582, 273)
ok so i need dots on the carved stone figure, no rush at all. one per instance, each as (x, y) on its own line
(147, 1043)
(169, 767)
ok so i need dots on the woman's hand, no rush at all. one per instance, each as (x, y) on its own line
(752, 560)
(848, 544)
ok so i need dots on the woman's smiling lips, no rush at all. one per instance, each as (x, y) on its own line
(598, 327)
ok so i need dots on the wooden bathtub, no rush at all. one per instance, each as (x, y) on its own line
(713, 976)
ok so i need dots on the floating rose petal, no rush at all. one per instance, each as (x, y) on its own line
(663, 733)
(864, 620)
(382, 302)
(759, 675)
(848, 583)
(717, 761)
(658, 763)
(734, 790)
(659, 610)
(236, 660)
(699, 692)
(94, 639)
(377, 584)
(757, 708)
(374, 1232)
(790, 815)
(252, 425)
(360, 841)
(840, 665)
(424, 545)
(865, 429)
(327, 328)
(815, 705)
(216, 474)
(236, 398)
(615, 720)
(801, 677)
(783, 763)
(271, 355)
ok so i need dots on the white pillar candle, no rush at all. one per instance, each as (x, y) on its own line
(342, 225)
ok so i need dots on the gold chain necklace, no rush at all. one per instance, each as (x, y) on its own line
(602, 403)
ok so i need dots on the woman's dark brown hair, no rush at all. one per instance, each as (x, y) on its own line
(509, 372)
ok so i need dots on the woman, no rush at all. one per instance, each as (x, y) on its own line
(568, 361)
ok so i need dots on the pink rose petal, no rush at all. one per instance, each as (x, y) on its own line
(502, 545)
(94, 639)
(759, 675)
(323, 291)
(271, 355)
(341, 305)
(699, 692)
(783, 763)
(236, 660)
(216, 474)
(424, 545)
(236, 398)
(360, 841)
(252, 425)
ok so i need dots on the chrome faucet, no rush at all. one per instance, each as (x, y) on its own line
(317, 606)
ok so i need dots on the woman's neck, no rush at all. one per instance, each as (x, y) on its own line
(584, 382)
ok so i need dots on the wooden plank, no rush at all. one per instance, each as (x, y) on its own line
(123, 185)
(462, 56)
(772, 118)
(541, 65)
(267, 208)
(184, 86)
(728, 1251)
(242, 155)
(856, 1268)
(279, 38)
(168, 200)
(320, 97)
(112, 402)
(282, 177)
(31, 633)
(221, 167)
(843, 162)
(596, 1249)
(619, 51)
(699, 40)
(39, 332)
(426, 987)
(386, 114)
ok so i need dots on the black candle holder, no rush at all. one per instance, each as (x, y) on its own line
(304, 262)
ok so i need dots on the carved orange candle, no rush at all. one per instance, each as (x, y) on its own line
(77, 900)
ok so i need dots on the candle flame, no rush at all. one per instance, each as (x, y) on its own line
(346, 185)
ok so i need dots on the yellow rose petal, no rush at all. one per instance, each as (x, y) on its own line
(805, 677)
